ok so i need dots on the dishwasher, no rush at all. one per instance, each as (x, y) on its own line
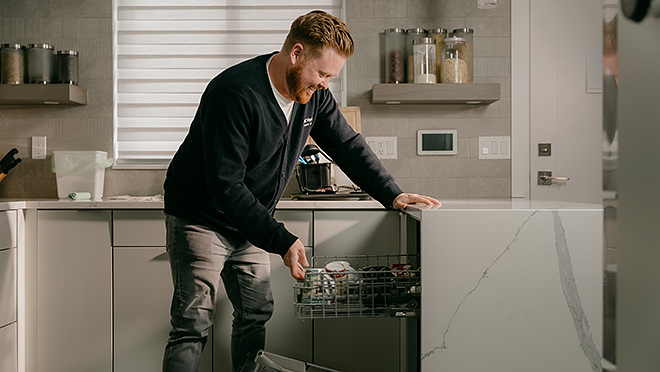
(355, 286)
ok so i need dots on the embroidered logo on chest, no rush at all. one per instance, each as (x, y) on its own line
(307, 122)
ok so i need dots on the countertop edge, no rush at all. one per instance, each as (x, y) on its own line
(415, 209)
(6, 204)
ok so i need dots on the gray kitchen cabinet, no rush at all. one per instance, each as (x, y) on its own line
(7, 286)
(357, 344)
(8, 277)
(142, 292)
(7, 229)
(286, 335)
(8, 348)
(74, 306)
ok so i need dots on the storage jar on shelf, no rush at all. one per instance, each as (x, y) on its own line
(39, 60)
(12, 62)
(424, 60)
(439, 34)
(454, 69)
(411, 34)
(467, 34)
(67, 67)
(395, 49)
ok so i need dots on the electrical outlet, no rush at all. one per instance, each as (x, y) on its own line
(39, 147)
(384, 147)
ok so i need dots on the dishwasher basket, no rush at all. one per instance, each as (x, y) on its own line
(360, 286)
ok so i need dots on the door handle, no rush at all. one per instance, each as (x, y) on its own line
(545, 178)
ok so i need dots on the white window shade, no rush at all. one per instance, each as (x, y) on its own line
(166, 52)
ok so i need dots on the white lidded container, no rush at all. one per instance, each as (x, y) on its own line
(80, 171)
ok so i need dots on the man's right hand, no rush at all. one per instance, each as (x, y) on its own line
(296, 260)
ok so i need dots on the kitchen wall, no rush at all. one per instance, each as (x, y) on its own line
(463, 175)
(86, 26)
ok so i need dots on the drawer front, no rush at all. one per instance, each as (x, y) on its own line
(7, 229)
(299, 223)
(8, 348)
(138, 228)
(7, 286)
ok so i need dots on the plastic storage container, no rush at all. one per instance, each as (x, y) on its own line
(80, 171)
(411, 34)
(40, 65)
(395, 50)
(454, 69)
(12, 64)
(467, 34)
(67, 67)
(424, 60)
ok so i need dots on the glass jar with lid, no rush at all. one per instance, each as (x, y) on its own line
(467, 34)
(67, 67)
(454, 69)
(424, 60)
(439, 34)
(395, 49)
(39, 60)
(12, 62)
(411, 34)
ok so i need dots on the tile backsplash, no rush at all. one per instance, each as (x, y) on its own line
(86, 26)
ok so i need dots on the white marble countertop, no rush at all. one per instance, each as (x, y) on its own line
(151, 202)
(416, 210)
(157, 203)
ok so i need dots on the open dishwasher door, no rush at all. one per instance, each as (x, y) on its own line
(268, 362)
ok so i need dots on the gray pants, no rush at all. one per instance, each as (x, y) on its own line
(198, 258)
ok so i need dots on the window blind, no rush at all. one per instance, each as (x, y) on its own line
(166, 52)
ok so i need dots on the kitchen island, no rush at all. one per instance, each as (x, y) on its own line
(509, 285)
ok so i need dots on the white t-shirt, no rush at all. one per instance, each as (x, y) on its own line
(285, 104)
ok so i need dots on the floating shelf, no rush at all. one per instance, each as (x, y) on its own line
(471, 94)
(42, 94)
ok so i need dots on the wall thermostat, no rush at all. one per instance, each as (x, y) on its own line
(436, 142)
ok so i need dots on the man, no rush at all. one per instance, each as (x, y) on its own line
(233, 166)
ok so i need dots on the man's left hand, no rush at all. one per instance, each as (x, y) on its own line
(402, 200)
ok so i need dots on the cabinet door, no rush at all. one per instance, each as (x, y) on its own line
(74, 291)
(286, 335)
(141, 309)
(8, 349)
(8, 229)
(7, 286)
(357, 344)
(142, 292)
(138, 228)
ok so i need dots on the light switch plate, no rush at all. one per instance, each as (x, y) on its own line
(495, 147)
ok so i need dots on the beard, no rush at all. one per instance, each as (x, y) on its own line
(298, 92)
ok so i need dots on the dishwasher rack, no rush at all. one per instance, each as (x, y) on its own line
(356, 286)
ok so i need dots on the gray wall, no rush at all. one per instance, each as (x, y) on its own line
(86, 26)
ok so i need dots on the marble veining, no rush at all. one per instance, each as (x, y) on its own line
(572, 296)
(484, 276)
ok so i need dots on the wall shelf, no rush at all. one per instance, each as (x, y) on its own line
(42, 94)
(471, 94)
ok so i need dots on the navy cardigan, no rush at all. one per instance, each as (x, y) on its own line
(239, 155)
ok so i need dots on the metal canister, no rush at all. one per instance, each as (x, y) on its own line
(67, 67)
(40, 66)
